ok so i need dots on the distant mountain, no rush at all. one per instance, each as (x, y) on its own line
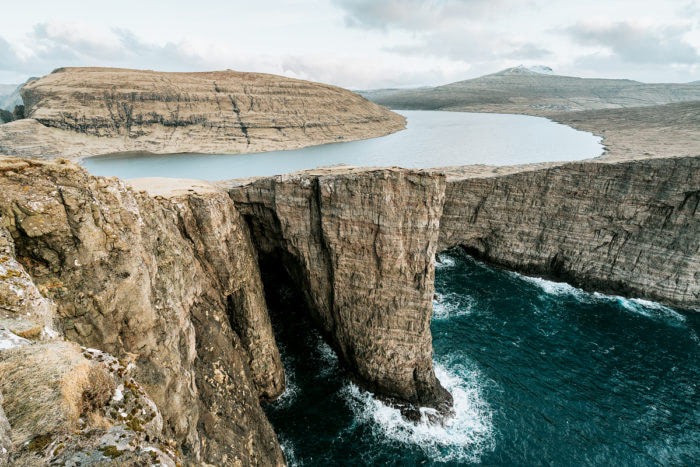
(534, 90)
(11, 98)
(6, 89)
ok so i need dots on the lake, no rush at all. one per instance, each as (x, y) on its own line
(431, 139)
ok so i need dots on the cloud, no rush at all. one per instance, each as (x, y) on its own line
(417, 15)
(453, 29)
(636, 43)
(52, 45)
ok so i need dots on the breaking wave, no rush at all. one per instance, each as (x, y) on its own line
(446, 306)
(463, 438)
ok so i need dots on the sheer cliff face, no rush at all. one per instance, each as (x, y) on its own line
(77, 112)
(624, 228)
(170, 281)
(360, 244)
(170, 284)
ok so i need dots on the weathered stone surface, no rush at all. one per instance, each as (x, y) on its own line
(75, 112)
(66, 404)
(628, 228)
(167, 284)
(360, 244)
(5, 444)
(169, 279)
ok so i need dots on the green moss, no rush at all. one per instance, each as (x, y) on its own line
(39, 443)
(111, 451)
(58, 449)
(134, 423)
(10, 274)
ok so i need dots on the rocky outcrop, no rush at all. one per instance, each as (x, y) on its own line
(360, 245)
(75, 112)
(170, 285)
(627, 228)
(167, 280)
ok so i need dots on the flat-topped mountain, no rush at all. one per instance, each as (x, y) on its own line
(534, 91)
(76, 112)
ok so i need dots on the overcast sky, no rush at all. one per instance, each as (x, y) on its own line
(358, 44)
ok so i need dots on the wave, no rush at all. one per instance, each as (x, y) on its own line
(291, 390)
(444, 261)
(644, 307)
(288, 451)
(636, 305)
(451, 305)
(463, 438)
(328, 358)
(553, 288)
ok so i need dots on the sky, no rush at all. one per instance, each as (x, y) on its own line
(357, 44)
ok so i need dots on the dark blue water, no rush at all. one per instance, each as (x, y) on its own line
(542, 373)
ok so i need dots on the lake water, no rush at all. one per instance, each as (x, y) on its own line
(542, 373)
(431, 139)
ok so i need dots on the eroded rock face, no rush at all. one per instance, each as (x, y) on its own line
(360, 245)
(628, 228)
(149, 280)
(77, 112)
(168, 281)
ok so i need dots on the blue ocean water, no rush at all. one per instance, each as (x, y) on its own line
(542, 374)
(431, 139)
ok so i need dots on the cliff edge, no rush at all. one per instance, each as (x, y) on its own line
(78, 112)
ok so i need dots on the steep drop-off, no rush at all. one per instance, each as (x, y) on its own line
(76, 112)
(628, 228)
(169, 284)
(168, 281)
(360, 245)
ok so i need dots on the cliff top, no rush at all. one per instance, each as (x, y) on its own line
(77, 112)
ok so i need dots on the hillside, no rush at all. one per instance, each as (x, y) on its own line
(75, 112)
(521, 90)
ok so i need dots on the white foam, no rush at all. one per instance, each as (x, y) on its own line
(551, 287)
(444, 262)
(291, 390)
(288, 450)
(451, 305)
(643, 307)
(328, 358)
(463, 438)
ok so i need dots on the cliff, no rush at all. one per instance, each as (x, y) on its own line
(168, 284)
(360, 244)
(76, 112)
(627, 228)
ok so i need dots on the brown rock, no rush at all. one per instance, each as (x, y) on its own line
(75, 112)
(360, 245)
(150, 281)
(627, 228)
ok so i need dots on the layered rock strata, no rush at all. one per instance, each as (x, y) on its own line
(167, 280)
(76, 112)
(627, 228)
(360, 245)
(168, 284)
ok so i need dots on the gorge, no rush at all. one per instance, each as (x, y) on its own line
(169, 277)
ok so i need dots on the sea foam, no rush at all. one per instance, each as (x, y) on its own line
(451, 305)
(463, 438)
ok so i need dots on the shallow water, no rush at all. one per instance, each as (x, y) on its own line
(431, 139)
(541, 372)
